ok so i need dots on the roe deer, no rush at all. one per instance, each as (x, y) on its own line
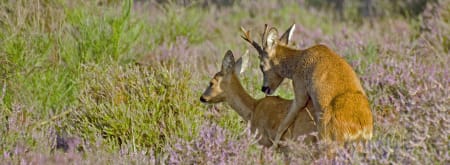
(340, 105)
(266, 114)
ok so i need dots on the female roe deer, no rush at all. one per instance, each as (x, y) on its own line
(266, 114)
(341, 109)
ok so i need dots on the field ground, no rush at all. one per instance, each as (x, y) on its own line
(108, 82)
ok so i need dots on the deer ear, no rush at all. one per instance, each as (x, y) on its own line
(272, 36)
(228, 61)
(241, 63)
(287, 36)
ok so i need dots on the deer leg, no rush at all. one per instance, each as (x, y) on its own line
(298, 103)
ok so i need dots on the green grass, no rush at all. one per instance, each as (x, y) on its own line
(90, 70)
(135, 105)
(78, 67)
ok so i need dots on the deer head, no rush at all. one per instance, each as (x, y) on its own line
(221, 82)
(268, 54)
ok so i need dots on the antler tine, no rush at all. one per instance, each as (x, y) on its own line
(247, 37)
(266, 27)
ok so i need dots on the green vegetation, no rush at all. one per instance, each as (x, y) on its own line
(125, 77)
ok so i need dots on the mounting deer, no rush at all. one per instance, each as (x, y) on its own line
(340, 105)
(264, 115)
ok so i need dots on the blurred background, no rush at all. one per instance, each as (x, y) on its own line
(118, 82)
(351, 9)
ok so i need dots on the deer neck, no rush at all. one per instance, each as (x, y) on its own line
(286, 60)
(239, 99)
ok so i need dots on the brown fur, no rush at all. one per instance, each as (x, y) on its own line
(265, 115)
(340, 105)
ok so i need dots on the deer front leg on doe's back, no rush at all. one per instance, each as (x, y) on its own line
(299, 102)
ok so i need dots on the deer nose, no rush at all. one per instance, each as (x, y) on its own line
(266, 90)
(202, 99)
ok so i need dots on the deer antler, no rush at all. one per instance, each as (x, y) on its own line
(247, 37)
(263, 37)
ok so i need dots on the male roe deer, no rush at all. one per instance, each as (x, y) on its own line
(266, 114)
(340, 105)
